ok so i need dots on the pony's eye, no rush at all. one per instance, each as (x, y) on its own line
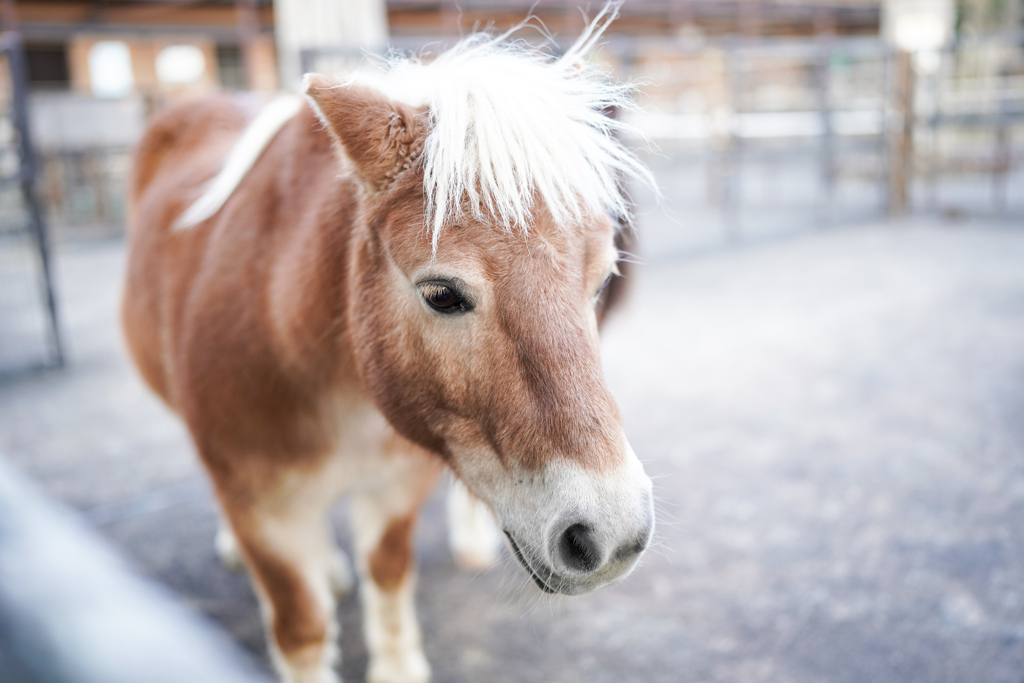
(443, 298)
(603, 285)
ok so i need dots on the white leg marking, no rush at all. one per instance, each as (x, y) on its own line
(389, 613)
(472, 534)
(293, 548)
(393, 634)
(339, 571)
(305, 539)
(311, 668)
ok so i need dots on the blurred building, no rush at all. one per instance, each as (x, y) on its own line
(111, 49)
(644, 17)
(97, 68)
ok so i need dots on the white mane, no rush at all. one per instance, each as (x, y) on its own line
(240, 160)
(511, 126)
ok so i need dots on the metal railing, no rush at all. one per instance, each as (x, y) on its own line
(764, 135)
(29, 328)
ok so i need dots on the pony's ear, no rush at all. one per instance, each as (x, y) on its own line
(381, 137)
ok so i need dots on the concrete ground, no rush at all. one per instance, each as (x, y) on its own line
(835, 422)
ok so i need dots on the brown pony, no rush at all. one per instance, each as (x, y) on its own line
(394, 276)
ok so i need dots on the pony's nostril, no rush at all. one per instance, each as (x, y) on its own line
(632, 548)
(578, 548)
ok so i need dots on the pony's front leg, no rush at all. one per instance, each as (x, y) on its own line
(287, 543)
(383, 521)
(230, 554)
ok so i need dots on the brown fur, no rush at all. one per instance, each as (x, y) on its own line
(254, 325)
(390, 562)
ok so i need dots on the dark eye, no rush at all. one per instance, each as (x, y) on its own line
(603, 285)
(442, 297)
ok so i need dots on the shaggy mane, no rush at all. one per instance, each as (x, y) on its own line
(511, 126)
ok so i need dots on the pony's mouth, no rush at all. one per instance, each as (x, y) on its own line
(541, 583)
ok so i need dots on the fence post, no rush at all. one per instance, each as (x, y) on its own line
(828, 140)
(730, 177)
(901, 133)
(27, 169)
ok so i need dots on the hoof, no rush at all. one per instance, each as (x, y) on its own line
(315, 665)
(321, 675)
(409, 668)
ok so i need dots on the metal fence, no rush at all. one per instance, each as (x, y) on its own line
(756, 137)
(84, 144)
(29, 329)
(753, 138)
(761, 138)
(84, 190)
(769, 136)
(970, 128)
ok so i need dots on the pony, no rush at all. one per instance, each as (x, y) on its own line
(398, 274)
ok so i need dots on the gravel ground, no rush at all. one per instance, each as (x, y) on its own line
(835, 422)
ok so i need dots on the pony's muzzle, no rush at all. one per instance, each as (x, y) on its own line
(582, 547)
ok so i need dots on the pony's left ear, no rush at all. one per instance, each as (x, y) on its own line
(380, 136)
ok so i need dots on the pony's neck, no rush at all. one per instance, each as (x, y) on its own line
(316, 235)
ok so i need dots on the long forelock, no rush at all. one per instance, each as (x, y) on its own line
(511, 127)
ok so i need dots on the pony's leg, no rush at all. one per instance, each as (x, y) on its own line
(288, 545)
(383, 521)
(472, 534)
(339, 573)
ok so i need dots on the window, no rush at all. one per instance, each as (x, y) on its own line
(48, 67)
(110, 69)
(180, 65)
(231, 67)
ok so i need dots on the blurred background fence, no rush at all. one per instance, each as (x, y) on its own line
(29, 334)
(761, 118)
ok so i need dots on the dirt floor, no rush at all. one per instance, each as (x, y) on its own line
(835, 422)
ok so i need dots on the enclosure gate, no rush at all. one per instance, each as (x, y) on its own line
(29, 330)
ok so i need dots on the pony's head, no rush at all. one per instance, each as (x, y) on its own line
(491, 191)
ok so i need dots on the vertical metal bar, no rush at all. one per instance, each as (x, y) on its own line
(828, 164)
(731, 155)
(27, 177)
(824, 29)
(1001, 162)
(901, 147)
(248, 34)
(885, 116)
(934, 119)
